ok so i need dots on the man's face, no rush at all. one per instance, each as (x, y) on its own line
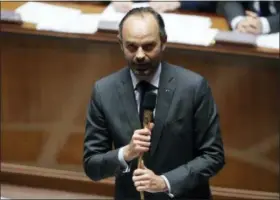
(141, 44)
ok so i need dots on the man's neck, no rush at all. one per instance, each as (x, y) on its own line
(153, 79)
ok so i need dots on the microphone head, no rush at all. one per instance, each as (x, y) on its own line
(149, 102)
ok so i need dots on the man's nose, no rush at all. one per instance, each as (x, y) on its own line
(140, 55)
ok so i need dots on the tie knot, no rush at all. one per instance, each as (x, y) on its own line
(144, 86)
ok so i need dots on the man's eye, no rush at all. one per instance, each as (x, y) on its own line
(148, 47)
(131, 47)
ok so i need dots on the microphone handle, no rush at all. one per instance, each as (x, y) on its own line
(146, 120)
(140, 159)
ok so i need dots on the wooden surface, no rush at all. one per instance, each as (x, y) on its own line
(46, 80)
(80, 186)
(22, 192)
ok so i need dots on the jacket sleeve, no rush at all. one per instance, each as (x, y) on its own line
(230, 9)
(274, 19)
(208, 146)
(99, 160)
(274, 22)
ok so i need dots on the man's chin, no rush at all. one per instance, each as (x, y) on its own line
(142, 73)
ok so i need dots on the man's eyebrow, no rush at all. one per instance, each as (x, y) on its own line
(143, 43)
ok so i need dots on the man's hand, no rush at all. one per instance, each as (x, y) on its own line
(164, 6)
(140, 143)
(123, 6)
(145, 180)
(250, 24)
(242, 26)
(255, 22)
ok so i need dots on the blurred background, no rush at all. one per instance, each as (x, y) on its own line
(53, 52)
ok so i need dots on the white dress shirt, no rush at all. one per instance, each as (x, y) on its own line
(154, 80)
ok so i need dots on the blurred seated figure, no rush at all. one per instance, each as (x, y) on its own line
(165, 6)
(255, 17)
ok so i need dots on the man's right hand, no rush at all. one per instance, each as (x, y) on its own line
(140, 143)
(250, 24)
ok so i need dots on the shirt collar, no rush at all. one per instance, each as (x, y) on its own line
(154, 80)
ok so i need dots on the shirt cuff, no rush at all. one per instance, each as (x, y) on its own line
(122, 161)
(234, 22)
(265, 25)
(168, 186)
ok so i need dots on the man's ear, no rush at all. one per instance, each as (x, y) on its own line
(120, 41)
(163, 43)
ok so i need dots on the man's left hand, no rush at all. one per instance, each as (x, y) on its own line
(146, 180)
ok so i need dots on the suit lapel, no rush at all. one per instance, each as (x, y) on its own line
(167, 87)
(128, 101)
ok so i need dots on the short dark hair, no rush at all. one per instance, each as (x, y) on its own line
(142, 11)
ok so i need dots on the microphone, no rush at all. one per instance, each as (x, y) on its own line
(149, 104)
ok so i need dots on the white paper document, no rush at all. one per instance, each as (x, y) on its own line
(194, 37)
(186, 29)
(268, 41)
(36, 12)
(111, 14)
(83, 24)
(110, 18)
(187, 22)
(189, 29)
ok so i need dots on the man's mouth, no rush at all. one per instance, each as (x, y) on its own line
(142, 69)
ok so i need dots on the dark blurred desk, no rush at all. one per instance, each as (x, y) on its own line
(46, 79)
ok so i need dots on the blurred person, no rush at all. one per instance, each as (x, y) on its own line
(254, 17)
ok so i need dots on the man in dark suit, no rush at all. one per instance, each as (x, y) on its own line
(256, 17)
(183, 147)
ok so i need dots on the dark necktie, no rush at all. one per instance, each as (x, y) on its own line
(143, 87)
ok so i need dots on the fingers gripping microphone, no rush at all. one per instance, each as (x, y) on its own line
(149, 104)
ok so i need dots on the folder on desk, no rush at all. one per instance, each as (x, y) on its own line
(183, 29)
(110, 17)
(234, 37)
(270, 41)
(9, 16)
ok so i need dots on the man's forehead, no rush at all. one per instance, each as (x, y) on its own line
(140, 26)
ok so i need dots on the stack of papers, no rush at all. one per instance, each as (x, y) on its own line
(193, 37)
(83, 23)
(9, 16)
(189, 29)
(58, 18)
(185, 29)
(268, 41)
(110, 17)
(235, 37)
(35, 12)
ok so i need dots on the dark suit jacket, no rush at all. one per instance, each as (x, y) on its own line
(186, 144)
(232, 9)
